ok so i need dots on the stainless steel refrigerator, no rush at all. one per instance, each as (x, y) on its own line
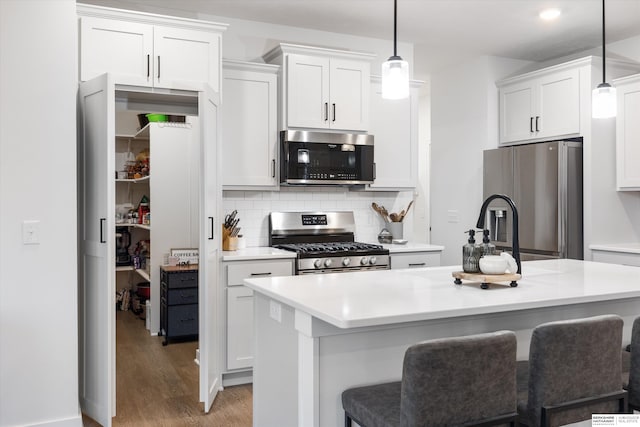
(545, 182)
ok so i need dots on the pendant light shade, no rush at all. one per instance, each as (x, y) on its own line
(603, 101)
(395, 71)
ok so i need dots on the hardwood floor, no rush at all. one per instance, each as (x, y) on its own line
(157, 385)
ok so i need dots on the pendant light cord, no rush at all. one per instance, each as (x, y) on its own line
(395, 26)
(603, 47)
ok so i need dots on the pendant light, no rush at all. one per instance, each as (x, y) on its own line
(395, 71)
(604, 96)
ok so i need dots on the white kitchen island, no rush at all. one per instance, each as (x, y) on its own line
(319, 334)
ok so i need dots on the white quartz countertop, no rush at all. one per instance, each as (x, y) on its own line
(258, 252)
(412, 247)
(630, 248)
(372, 298)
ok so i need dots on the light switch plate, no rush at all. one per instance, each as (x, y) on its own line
(31, 232)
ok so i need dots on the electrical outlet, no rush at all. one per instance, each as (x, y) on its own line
(31, 232)
(275, 311)
(452, 216)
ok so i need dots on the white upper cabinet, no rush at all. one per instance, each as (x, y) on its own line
(307, 91)
(186, 58)
(323, 88)
(249, 134)
(540, 105)
(149, 50)
(119, 47)
(628, 133)
(394, 124)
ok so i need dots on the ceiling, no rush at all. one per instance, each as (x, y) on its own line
(441, 30)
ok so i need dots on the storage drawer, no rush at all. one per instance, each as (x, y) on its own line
(182, 296)
(415, 260)
(238, 271)
(183, 320)
(180, 279)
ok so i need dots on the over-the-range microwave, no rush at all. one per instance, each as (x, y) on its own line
(326, 158)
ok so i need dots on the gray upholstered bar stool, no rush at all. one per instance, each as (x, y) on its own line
(573, 372)
(631, 367)
(461, 381)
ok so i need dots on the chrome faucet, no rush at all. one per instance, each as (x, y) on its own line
(514, 212)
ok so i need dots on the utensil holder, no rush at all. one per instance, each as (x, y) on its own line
(396, 229)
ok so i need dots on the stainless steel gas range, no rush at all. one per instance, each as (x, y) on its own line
(324, 242)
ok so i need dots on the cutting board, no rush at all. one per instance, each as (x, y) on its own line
(485, 279)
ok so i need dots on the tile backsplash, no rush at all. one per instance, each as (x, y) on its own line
(254, 208)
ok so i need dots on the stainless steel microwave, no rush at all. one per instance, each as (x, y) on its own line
(326, 158)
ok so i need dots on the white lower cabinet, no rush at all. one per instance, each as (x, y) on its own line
(239, 307)
(239, 327)
(414, 260)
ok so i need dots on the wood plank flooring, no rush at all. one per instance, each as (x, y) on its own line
(157, 385)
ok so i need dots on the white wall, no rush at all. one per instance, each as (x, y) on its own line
(464, 122)
(38, 284)
(249, 40)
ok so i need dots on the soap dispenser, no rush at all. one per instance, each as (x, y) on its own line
(471, 254)
(486, 247)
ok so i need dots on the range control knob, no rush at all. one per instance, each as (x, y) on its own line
(364, 260)
(373, 260)
(346, 262)
(317, 263)
(327, 262)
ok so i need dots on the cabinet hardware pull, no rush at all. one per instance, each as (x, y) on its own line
(158, 67)
(531, 124)
(374, 170)
(245, 296)
(148, 70)
(273, 168)
(537, 118)
(419, 264)
(334, 113)
(102, 220)
(326, 111)
(211, 232)
(261, 274)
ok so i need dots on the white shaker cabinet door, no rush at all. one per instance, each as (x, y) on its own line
(394, 125)
(517, 112)
(558, 104)
(184, 59)
(349, 101)
(307, 91)
(249, 134)
(239, 327)
(118, 47)
(628, 134)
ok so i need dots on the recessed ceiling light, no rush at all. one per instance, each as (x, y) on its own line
(549, 14)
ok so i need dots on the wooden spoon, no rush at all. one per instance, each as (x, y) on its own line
(394, 217)
(405, 213)
(378, 209)
(384, 212)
